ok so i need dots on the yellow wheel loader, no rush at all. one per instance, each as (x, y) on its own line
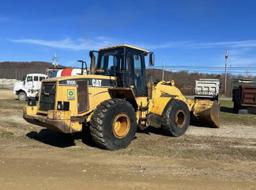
(114, 99)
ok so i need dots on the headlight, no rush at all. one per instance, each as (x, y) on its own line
(63, 106)
(59, 106)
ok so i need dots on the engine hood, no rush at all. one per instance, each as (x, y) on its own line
(93, 80)
(18, 85)
(82, 77)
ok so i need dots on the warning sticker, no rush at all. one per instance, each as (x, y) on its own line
(71, 94)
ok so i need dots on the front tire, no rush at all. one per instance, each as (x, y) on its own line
(22, 96)
(176, 118)
(113, 124)
(236, 107)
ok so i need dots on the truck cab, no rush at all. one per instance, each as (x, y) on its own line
(29, 87)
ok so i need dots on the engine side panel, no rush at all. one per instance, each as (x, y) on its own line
(162, 93)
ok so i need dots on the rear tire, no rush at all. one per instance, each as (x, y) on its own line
(236, 107)
(22, 96)
(176, 118)
(113, 124)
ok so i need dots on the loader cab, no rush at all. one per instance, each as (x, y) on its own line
(126, 63)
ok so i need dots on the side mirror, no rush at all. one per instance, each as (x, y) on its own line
(91, 54)
(93, 61)
(151, 59)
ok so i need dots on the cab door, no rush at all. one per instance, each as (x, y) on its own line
(29, 82)
(36, 83)
(135, 60)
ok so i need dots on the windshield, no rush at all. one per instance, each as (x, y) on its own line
(109, 61)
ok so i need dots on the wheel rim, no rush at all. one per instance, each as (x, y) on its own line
(22, 96)
(180, 118)
(121, 125)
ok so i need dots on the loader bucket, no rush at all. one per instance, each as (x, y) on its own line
(206, 112)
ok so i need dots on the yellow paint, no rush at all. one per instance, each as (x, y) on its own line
(121, 125)
(95, 95)
(62, 95)
(80, 77)
(162, 93)
(142, 102)
(76, 126)
(30, 110)
(124, 45)
(58, 115)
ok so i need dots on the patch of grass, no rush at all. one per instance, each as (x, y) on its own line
(226, 103)
(228, 117)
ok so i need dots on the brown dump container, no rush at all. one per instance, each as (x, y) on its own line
(244, 94)
(248, 95)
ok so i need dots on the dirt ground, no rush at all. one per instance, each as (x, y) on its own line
(36, 158)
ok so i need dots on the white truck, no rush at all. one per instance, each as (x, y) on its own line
(207, 89)
(29, 87)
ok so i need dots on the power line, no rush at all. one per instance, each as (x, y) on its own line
(210, 67)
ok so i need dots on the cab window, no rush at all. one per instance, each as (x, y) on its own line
(42, 78)
(110, 62)
(29, 78)
(35, 78)
(137, 65)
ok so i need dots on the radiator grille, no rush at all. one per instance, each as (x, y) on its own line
(82, 93)
(47, 98)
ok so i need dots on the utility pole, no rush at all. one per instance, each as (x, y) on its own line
(163, 71)
(226, 74)
(55, 61)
